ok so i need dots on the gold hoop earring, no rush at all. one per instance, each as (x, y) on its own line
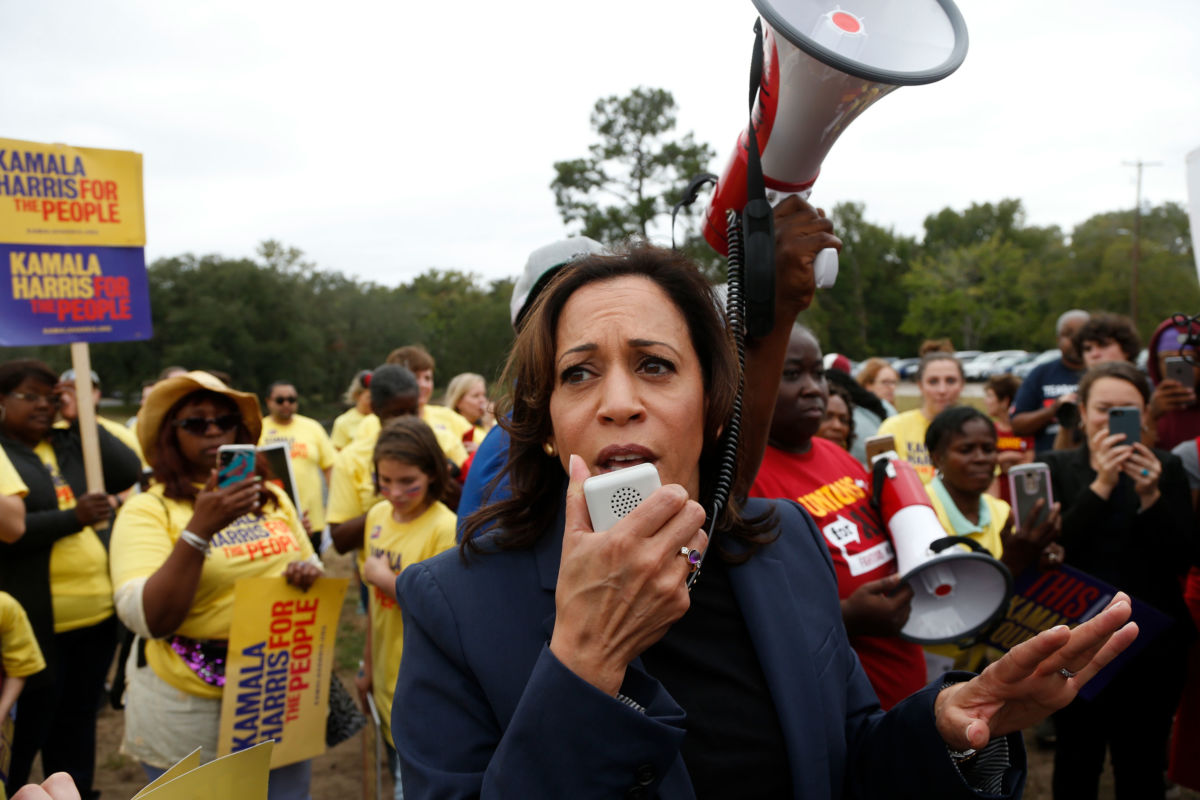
(549, 450)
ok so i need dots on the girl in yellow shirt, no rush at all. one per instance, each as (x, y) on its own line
(408, 526)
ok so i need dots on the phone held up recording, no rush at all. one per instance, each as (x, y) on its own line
(235, 463)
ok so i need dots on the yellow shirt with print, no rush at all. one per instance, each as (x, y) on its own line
(312, 453)
(80, 591)
(19, 652)
(908, 429)
(449, 437)
(10, 479)
(345, 426)
(403, 544)
(252, 546)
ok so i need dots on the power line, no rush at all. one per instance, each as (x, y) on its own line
(1137, 235)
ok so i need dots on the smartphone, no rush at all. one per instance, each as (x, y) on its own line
(1028, 483)
(1178, 369)
(1126, 420)
(878, 445)
(614, 494)
(235, 462)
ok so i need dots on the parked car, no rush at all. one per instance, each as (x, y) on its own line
(1004, 365)
(1047, 356)
(982, 367)
(907, 367)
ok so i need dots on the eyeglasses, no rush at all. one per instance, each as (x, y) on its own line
(288, 399)
(34, 397)
(198, 426)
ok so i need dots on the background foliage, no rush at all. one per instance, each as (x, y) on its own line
(981, 276)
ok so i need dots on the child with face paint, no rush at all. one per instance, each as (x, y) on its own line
(409, 525)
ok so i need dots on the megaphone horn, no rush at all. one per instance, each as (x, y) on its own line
(823, 65)
(956, 593)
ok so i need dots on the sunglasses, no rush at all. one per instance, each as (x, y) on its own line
(198, 426)
(35, 397)
(288, 399)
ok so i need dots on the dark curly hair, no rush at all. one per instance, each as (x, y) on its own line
(1104, 328)
(537, 482)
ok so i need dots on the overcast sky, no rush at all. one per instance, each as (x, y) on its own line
(384, 139)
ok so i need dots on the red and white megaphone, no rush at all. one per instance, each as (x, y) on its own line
(824, 64)
(956, 592)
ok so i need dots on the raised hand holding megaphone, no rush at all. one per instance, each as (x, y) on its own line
(821, 66)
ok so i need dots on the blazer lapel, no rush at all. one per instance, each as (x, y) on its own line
(774, 617)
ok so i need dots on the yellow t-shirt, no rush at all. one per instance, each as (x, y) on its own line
(19, 651)
(250, 547)
(909, 431)
(403, 544)
(10, 480)
(345, 426)
(434, 417)
(311, 452)
(80, 591)
(352, 482)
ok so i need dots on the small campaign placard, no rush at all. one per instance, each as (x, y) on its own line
(62, 294)
(63, 195)
(279, 667)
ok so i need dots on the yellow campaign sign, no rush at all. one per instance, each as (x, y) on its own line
(279, 667)
(55, 194)
(243, 775)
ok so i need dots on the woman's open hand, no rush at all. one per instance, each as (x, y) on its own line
(1028, 683)
(619, 591)
(215, 508)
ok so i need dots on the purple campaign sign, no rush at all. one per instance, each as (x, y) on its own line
(59, 294)
(1067, 596)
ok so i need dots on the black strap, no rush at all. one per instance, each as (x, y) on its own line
(758, 223)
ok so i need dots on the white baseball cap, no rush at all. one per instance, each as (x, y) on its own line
(543, 263)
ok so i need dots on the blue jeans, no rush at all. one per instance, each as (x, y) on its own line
(290, 782)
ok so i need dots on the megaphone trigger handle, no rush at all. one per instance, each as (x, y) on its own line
(758, 228)
(938, 545)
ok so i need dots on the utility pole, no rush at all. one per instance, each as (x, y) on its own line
(1137, 236)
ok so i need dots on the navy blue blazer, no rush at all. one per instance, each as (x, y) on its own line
(482, 706)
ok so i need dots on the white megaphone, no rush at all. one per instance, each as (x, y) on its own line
(956, 592)
(823, 65)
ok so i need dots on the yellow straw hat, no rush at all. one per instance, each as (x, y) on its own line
(167, 393)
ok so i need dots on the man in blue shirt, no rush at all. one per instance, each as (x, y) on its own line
(1049, 392)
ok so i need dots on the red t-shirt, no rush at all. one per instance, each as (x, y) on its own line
(1007, 441)
(832, 486)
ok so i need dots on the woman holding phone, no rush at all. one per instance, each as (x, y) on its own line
(177, 551)
(1127, 521)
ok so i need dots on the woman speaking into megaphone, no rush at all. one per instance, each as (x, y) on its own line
(546, 660)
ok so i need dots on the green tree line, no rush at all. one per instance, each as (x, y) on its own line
(987, 280)
(279, 317)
